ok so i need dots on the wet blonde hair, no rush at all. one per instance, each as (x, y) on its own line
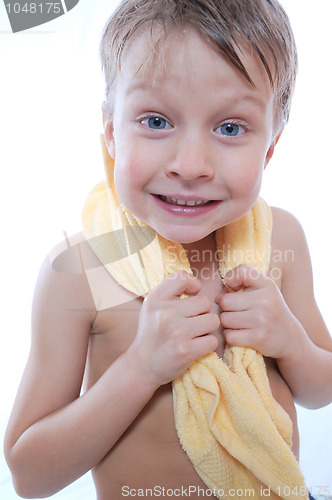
(224, 24)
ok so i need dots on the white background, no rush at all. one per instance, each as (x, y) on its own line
(51, 89)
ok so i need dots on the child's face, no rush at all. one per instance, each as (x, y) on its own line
(191, 142)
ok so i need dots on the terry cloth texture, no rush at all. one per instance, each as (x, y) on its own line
(233, 430)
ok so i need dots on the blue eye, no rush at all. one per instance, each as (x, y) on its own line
(230, 129)
(156, 122)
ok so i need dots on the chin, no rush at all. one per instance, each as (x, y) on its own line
(182, 236)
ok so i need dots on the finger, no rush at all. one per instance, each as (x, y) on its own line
(236, 320)
(237, 301)
(194, 306)
(240, 338)
(204, 345)
(244, 276)
(203, 324)
(218, 297)
(175, 285)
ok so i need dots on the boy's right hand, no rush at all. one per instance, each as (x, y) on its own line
(173, 332)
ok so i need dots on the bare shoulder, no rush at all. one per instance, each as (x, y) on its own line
(287, 230)
(289, 253)
(77, 264)
(62, 281)
(290, 244)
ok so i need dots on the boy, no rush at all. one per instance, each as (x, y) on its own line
(197, 94)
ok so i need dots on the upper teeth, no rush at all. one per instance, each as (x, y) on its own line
(190, 203)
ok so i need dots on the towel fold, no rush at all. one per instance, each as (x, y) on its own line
(233, 430)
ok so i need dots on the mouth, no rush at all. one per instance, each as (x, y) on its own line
(180, 207)
(183, 203)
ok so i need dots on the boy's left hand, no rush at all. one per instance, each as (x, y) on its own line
(257, 315)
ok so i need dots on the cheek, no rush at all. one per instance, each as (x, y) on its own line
(122, 179)
(246, 179)
(129, 181)
(131, 163)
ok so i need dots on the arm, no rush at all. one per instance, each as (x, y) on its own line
(308, 366)
(54, 435)
(283, 324)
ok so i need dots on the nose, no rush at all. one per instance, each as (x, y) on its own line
(191, 159)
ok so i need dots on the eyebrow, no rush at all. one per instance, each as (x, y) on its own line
(230, 99)
(251, 98)
(141, 87)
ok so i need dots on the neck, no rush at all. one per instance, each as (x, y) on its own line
(201, 253)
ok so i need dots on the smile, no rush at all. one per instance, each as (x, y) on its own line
(184, 208)
(187, 203)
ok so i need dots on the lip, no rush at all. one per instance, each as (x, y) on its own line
(186, 210)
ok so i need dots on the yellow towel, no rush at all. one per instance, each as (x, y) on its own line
(234, 432)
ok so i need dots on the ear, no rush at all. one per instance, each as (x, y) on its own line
(108, 129)
(270, 151)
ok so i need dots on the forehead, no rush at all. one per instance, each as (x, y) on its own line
(150, 56)
(153, 58)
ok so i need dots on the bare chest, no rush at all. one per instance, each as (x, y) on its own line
(113, 331)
